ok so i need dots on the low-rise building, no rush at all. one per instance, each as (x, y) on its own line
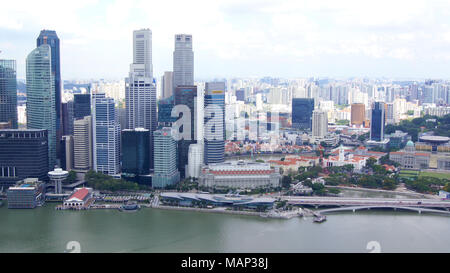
(346, 157)
(410, 159)
(79, 198)
(239, 175)
(26, 194)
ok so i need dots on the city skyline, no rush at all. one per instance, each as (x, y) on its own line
(256, 38)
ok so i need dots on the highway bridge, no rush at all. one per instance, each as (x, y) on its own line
(367, 203)
(419, 210)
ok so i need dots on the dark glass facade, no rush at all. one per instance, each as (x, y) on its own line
(165, 107)
(24, 154)
(185, 95)
(302, 109)
(377, 121)
(81, 105)
(214, 150)
(136, 151)
(67, 118)
(8, 93)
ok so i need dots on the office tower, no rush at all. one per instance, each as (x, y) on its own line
(81, 105)
(319, 123)
(183, 61)
(135, 152)
(8, 93)
(195, 160)
(167, 85)
(122, 112)
(82, 143)
(67, 118)
(41, 113)
(302, 109)
(106, 135)
(377, 122)
(140, 87)
(186, 95)
(24, 153)
(214, 122)
(66, 151)
(165, 107)
(358, 114)
(240, 94)
(389, 113)
(49, 37)
(165, 172)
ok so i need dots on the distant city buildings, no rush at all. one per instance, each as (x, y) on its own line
(302, 109)
(165, 172)
(214, 122)
(183, 61)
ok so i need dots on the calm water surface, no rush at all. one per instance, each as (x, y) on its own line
(151, 230)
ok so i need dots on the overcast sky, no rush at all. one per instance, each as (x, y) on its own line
(329, 38)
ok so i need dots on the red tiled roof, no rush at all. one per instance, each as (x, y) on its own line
(80, 194)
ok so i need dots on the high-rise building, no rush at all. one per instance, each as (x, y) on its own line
(82, 144)
(183, 61)
(66, 155)
(358, 114)
(377, 122)
(214, 122)
(186, 95)
(24, 154)
(106, 135)
(319, 123)
(166, 172)
(81, 105)
(49, 37)
(195, 160)
(135, 152)
(41, 112)
(167, 85)
(302, 109)
(140, 87)
(165, 107)
(8, 93)
(67, 118)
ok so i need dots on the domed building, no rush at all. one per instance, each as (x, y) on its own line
(410, 159)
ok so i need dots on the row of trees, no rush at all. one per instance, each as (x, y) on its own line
(105, 182)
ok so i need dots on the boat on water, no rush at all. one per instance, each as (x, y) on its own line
(129, 206)
(319, 219)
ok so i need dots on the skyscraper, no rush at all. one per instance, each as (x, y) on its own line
(41, 112)
(358, 114)
(81, 105)
(166, 172)
(377, 122)
(82, 143)
(66, 155)
(67, 118)
(8, 93)
(183, 61)
(135, 152)
(302, 109)
(167, 85)
(214, 122)
(319, 123)
(24, 154)
(140, 87)
(106, 135)
(186, 95)
(50, 38)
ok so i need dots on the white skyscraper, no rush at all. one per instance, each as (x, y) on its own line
(319, 123)
(195, 160)
(183, 61)
(167, 85)
(140, 87)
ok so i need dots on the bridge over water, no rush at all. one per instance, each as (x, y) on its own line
(419, 210)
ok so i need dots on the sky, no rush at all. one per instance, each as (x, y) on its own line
(239, 38)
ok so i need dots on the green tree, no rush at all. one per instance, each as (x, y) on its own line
(286, 181)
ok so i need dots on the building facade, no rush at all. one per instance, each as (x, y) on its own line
(195, 160)
(24, 154)
(8, 93)
(377, 122)
(239, 175)
(214, 122)
(165, 172)
(319, 124)
(167, 85)
(41, 112)
(81, 105)
(410, 159)
(82, 144)
(106, 135)
(302, 109)
(67, 156)
(67, 118)
(26, 194)
(358, 114)
(135, 152)
(183, 61)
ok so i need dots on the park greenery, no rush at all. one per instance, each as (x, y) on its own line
(440, 127)
(104, 182)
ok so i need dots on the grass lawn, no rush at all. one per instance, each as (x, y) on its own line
(436, 175)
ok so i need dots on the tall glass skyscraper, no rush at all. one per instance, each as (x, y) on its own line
(8, 93)
(214, 122)
(302, 109)
(166, 172)
(41, 112)
(50, 38)
(183, 61)
(81, 105)
(106, 135)
(140, 87)
(186, 95)
(135, 152)
(377, 122)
